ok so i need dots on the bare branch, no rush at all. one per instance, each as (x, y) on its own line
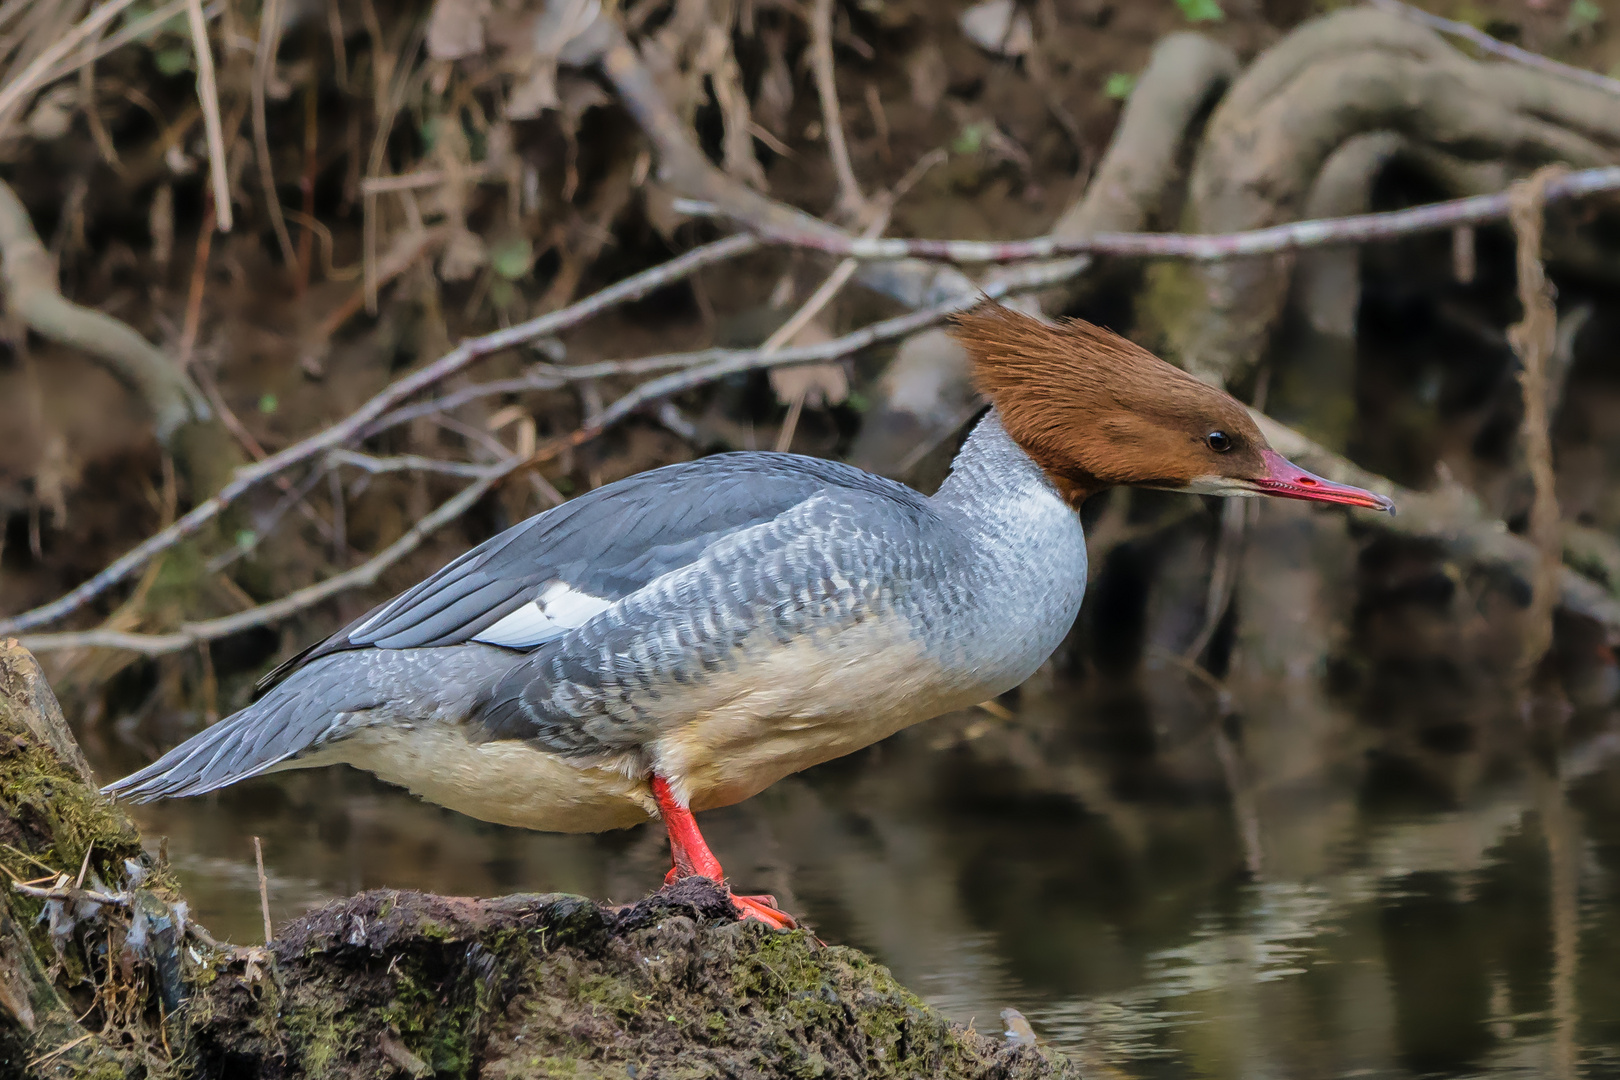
(404, 463)
(208, 93)
(722, 362)
(264, 63)
(1534, 338)
(689, 173)
(1194, 246)
(851, 203)
(345, 431)
(192, 634)
(1498, 47)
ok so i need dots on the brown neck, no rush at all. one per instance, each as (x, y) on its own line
(1094, 410)
(1074, 489)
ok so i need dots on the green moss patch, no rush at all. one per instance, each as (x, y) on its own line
(555, 986)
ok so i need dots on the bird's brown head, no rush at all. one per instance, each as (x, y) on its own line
(1096, 411)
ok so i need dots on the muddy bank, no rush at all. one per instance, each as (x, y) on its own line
(103, 975)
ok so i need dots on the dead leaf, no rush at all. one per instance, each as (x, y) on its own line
(559, 24)
(464, 255)
(535, 92)
(53, 113)
(776, 89)
(456, 28)
(1018, 1032)
(576, 95)
(820, 385)
(929, 76)
(999, 26)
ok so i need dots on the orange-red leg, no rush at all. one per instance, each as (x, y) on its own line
(692, 858)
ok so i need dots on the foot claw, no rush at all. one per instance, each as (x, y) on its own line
(764, 909)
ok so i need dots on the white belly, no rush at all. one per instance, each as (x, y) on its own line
(508, 783)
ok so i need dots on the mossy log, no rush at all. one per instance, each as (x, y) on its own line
(102, 975)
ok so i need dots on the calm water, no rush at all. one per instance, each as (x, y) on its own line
(1349, 914)
(1384, 880)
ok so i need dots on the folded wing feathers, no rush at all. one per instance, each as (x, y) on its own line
(559, 607)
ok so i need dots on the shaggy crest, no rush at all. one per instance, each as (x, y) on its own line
(1096, 411)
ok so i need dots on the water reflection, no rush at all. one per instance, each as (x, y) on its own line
(1320, 886)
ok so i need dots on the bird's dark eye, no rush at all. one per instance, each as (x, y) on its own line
(1218, 441)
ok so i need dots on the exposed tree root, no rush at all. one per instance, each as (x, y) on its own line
(1348, 74)
(180, 414)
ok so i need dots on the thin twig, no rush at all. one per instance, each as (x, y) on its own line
(404, 463)
(1198, 247)
(208, 93)
(84, 865)
(245, 479)
(135, 31)
(92, 115)
(829, 288)
(1222, 576)
(400, 257)
(191, 325)
(425, 178)
(834, 283)
(802, 318)
(40, 72)
(1499, 47)
(191, 634)
(264, 889)
(1534, 338)
(851, 203)
(264, 62)
(264, 525)
(731, 361)
(118, 899)
(392, 79)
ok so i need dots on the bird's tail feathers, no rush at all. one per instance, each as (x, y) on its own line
(266, 734)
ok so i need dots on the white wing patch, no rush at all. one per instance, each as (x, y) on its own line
(558, 608)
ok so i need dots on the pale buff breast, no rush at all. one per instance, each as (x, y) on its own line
(798, 705)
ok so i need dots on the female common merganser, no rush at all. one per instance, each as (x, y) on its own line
(683, 638)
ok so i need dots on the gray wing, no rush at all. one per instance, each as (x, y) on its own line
(839, 558)
(536, 583)
(550, 574)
